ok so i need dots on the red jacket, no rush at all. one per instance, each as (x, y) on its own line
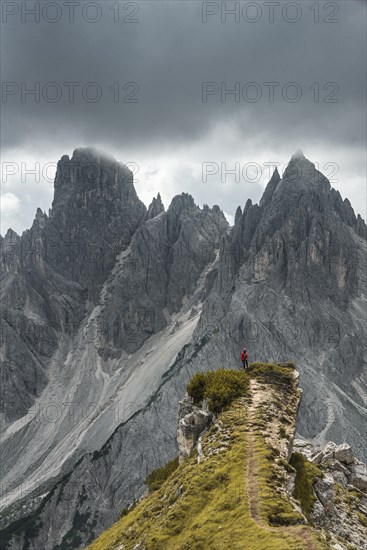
(244, 356)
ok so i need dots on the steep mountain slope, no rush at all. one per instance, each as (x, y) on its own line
(93, 379)
(292, 284)
(51, 273)
(113, 346)
(237, 490)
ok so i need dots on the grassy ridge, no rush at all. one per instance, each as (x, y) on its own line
(205, 505)
(201, 506)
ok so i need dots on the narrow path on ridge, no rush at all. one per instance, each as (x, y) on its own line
(259, 397)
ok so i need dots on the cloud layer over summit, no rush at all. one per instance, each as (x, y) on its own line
(185, 91)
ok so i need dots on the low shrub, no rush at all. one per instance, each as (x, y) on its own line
(282, 432)
(219, 387)
(287, 365)
(196, 387)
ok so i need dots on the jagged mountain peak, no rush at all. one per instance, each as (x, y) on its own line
(181, 202)
(301, 180)
(91, 153)
(173, 296)
(238, 215)
(11, 234)
(92, 180)
(90, 159)
(156, 207)
(298, 154)
(301, 172)
(40, 213)
(88, 156)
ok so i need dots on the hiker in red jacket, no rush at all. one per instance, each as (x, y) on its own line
(244, 358)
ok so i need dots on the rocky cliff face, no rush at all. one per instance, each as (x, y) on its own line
(340, 493)
(98, 310)
(113, 307)
(159, 272)
(290, 284)
(51, 273)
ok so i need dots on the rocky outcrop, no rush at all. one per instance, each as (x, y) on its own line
(346, 468)
(340, 506)
(155, 208)
(192, 421)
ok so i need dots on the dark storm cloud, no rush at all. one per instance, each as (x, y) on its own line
(166, 56)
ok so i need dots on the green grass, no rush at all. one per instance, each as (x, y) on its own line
(211, 513)
(219, 387)
(362, 519)
(205, 506)
(158, 476)
(274, 509)
(277, 374)
(307, 474)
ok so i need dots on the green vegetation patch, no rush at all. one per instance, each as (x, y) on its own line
(204, 505)
(214, 503)
(362, 519)
(274, 508)
(276, 374)
(307, 474)
(158, 476)
(220, 387)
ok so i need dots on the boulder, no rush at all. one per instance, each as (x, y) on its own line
(329, 450)
(338, 471)
(343, 453)
(301, 444)
(291, 483)
(324, 489)
(192, 422)
(358, 476)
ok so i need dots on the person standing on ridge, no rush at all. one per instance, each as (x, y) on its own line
(244, 358)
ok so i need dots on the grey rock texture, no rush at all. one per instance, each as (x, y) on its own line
(158, 273)
(111, 343)
(340, 460)
(341, 498)
(192, 421)
(50, 274)
(155, 208)
(358, 476)
(291, 285)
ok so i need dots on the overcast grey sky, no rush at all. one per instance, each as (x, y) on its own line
(138, 70)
